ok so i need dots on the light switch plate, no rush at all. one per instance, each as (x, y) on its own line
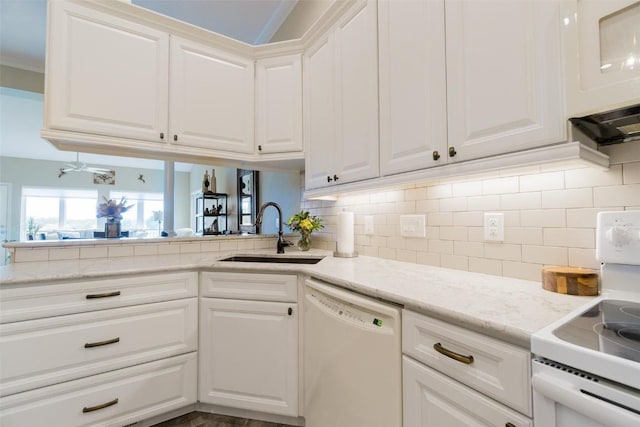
(368, 224)
(494, 226)
(412, 225)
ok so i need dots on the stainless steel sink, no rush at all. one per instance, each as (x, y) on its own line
(277, 259)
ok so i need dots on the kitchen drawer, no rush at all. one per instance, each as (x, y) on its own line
(25, 302)
(499, 370)
(430, 399)
(125, 395)
(41, 352)
(251, 286)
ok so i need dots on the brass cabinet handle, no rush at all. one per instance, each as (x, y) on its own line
(329, 179)
(161, 135)
(452, 354)
(452, 151)
(175, 137)
(101, 343)
(105, 295)
(259, 147)
(436, 155)
(98, 407)
(335, 177)
(290, 311)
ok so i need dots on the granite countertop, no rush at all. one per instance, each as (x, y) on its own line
(505, 308)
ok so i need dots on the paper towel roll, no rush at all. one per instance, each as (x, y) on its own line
(345, 239)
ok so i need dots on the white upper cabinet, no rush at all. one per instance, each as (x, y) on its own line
(105, 75)
(211, 97)
(504, 76)
(341, 101)
(413, 105)
(279, 104)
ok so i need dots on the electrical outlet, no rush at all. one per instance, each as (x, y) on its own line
(412, 225)
(494, 226)
(368, 224)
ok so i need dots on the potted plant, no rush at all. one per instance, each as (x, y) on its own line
(32, 228)
(305, 224)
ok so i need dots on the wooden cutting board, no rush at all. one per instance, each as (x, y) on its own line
(570, 280)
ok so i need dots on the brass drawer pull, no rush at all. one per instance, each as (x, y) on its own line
(105, 295)
(98, 407)
(101, 343)
(452, 354)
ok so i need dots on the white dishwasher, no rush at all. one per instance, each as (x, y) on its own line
(352, 359)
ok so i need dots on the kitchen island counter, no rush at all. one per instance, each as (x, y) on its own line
(505, 308)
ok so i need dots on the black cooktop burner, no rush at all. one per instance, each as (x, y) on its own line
(611, 326)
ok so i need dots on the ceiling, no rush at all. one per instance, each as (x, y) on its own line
(22, 45)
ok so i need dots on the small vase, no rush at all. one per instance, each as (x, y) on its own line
(304, 244)
(112, 229)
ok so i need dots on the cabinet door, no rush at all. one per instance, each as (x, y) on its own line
(320, 115)
(431, 399)
(249, 355)
(105, 75)
(503, 76)
(211, 98)
(413, 104)
(357, 93)
(279, 104)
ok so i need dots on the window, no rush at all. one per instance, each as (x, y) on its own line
(55, 209)
(140, 216)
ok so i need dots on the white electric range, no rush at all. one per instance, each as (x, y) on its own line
(586, 369)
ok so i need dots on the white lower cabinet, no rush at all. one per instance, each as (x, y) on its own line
(248, 349)
(116, 398)
(432, 399)
(98, 352)
(456, 377)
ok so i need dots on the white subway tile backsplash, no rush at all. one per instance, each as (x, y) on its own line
(418, 245)
(471, 249)
(441, 246)
(522, 270)
(407, 256)
(454, 233)
(548, 255)
(570, 237)
(626, 195)
(543, 218)
(426, 206)
(453, 204)
(542, 181)
(468, 218)
(520, 201)
(592, 177)
(476, 234)
(59, 254)
(416, 194)
(523, 235)
(585, 258)
(440, 218)
(631, 173)
(456, 262)
(484, 203)
(428, 258)
(485, 266)
(500, 185)
(575, 198)
(470, 188)
(502, 251)
(585, 217)
(439, 191)
(387, 253)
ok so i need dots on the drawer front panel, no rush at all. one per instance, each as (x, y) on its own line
(498, 369)
(116, 398)
(41, 352)
(251, 286)
(432, 399)
(48, 299)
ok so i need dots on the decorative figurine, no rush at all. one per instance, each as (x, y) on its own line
(205, 182)
(215, 226)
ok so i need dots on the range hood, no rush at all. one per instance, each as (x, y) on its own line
(611, 127)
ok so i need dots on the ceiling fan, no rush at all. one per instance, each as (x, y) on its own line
(79, 166)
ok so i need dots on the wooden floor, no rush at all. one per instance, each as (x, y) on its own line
(202, 419)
